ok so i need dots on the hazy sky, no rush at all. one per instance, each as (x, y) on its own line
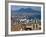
(14, 7)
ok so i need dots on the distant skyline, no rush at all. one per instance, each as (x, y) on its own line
(15, 7)
(30, 11)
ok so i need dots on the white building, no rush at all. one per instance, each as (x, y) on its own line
(25, 20)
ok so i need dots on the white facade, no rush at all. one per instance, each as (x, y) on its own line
(24, 20)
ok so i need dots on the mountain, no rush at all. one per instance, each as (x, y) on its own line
(26, 10)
